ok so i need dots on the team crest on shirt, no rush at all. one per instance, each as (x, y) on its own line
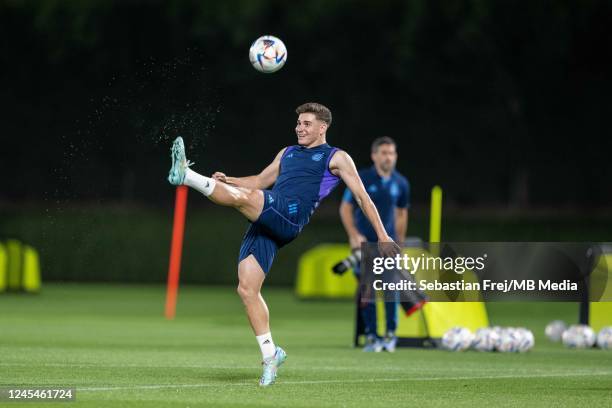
(394, 190)
(317, 156)
(373, 188)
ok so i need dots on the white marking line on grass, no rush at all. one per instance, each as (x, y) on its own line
(249, 367)
(356, 381)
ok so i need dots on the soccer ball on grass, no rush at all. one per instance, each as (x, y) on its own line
(457, 339)
(604, 338)
(578, 336)
(554, 330)
(485, 339)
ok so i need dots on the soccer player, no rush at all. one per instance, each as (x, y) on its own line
(390, 192)
(302, 176)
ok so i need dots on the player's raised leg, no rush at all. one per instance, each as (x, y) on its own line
(250, 279)
(248, 202)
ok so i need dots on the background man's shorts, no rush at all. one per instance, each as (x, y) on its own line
(277, 225)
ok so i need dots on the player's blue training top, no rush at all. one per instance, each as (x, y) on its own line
(304, 175)
(387, 194)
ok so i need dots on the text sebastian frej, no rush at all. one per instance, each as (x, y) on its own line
(458, 265)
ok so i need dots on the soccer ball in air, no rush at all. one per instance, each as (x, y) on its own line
(604, 338)
(578, 336)
(457, 339)
(485, 339)
(268, 54)
(555, 330)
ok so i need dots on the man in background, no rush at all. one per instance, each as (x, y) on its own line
(390, 192)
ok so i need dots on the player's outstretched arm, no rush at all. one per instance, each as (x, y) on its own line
(263, 180)
(348, 221)
(342, 165)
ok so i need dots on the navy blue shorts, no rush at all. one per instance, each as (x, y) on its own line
(278, 224)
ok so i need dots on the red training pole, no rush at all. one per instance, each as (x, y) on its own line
(176, 249)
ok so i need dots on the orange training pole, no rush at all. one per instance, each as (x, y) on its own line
(176, 248)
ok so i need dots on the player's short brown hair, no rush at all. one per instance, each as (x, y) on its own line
(321, 112)
(382, 141)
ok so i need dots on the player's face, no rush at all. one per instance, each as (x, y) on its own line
(309, 129)
(385, 157)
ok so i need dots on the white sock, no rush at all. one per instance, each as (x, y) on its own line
(266, 345)
(204, 185)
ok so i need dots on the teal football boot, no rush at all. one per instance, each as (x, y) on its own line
(270, 367)
(176, 176)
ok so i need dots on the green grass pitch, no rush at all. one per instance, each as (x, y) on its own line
(112, 344)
